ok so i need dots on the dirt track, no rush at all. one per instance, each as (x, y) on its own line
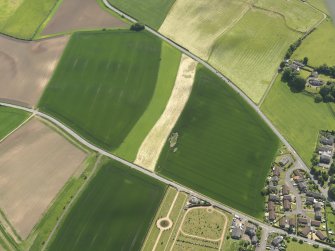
(35, 163)
(80, 14)
(26, 67)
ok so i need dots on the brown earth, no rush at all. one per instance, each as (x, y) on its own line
(79, 15)
(35, 163)
(26, 67)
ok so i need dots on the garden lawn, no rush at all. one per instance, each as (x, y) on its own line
(224, 149)
(297, 117)
(113, 213)
(250, 53)
(149, 12)
(104, 83)
(294, 246)
(23, 18)
(170, 59)
(319, 46)
(10, 119)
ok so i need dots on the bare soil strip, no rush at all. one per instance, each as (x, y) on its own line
(79, 15)
(35, 163)
(26, 67)
(151, 147)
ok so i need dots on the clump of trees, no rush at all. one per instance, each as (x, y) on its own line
(137, 27)
(292, 48)
(320, 176)
(326, 70)
(294, 81)
(326, 93)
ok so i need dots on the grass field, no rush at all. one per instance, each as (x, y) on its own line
(10, 119)
(298, 15)
(168, 69)
(319, 4)
(197, 24)
(22, 18)
(250, 53)
(104, 84)
(297, 117)
(319, 46)
(114, 212)
(224, 150)
(149, 12)
(294, 246)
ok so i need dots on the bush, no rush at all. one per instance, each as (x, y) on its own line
(137, 27)
(318, 98)
(331, 191)
(301, 241)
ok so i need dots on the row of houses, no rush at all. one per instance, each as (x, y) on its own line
(326, 150)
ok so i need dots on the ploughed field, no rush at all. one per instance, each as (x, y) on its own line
(224, 150)
(23, 18)
(10, 119)
(113, 213)
(106, 81)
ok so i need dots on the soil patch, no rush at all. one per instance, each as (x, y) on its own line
(81, 14)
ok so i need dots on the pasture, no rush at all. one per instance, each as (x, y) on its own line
(297, 117)
(198, 24)
(70, 17)
(250, 53)
(23, 18)
(149, 12)
(104, 84)
(294, 246)
(319, 46)
(40, 161)
(10, 119)
(320, 5)
(26, 68)
(224, 150)
(113, 213)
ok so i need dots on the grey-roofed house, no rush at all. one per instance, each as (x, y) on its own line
(236, 233)
(285, 160)
(287, 197)
(325, 159)
(277, 240)
(302, 187)
(325, 149)
(315, 82)
(309, 200)
(285, 190)
(317, 206)
(275, 180)
(327, 140)
(254, 240)
(276, 171)
(297, 173)
(318, 215)
(320, 235)
(250, 231)
(315, 195)
(272, 189)
(274, 198)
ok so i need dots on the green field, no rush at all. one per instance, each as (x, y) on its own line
(149, 12)
(106, 81)
(113, 213)
(297, 117)
(294, 246)
(319, 4)
(224, 150)
(22, 18)
(10, 119)
(319, 46)
(250, 53)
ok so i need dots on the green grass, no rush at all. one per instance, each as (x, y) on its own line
(224, 148)
(295, 246)
(114, 212)
(319, 4)
(10, 119)
(170, 59)
(250, 53)
(149, 12)
(22, 18)
(297, 117)
(104, 83)
(319, 46)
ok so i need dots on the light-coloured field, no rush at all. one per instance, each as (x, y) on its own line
(26, 67)
(7, 8)
(298, 15)
(320, 5)
(89, 15)
(250, 53)
(197, 24)
(35, 163)
(151, 147)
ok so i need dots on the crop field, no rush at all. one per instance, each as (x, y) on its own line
(291, 112)
(149, 12)
(104, 84)
(298, 15)
(249, 54)
(169, 64)
(10, 119)
(198, 24)
(114, 212)
(22, 18)
(224, 150)
(26, 68)
(40, 161)
(89, 16)
(317, 55)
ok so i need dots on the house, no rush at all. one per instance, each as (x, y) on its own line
(309, 201)
(302, 187)
(298, 63)
(317, 206)
(315, 195)
(291, 223)
(302, 221)
(298, 179)
(295, 67)
(236, 233)
(285, 160)
(325, 150)
(287, 205)
(271, 206)
(275, 180)
(315, 74)
(318, 215)
(297, 173)
(287, 197)
(315, 82)
(254, 240)
(274, 198)
(327, 140)
(305, 231)
(276, 171)
(325, 159)
(282, 222)
(320, 235)
(272, 189)
(272, 215)
(250, 231)
(277, 240)
(285, 190)
(315, 223)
